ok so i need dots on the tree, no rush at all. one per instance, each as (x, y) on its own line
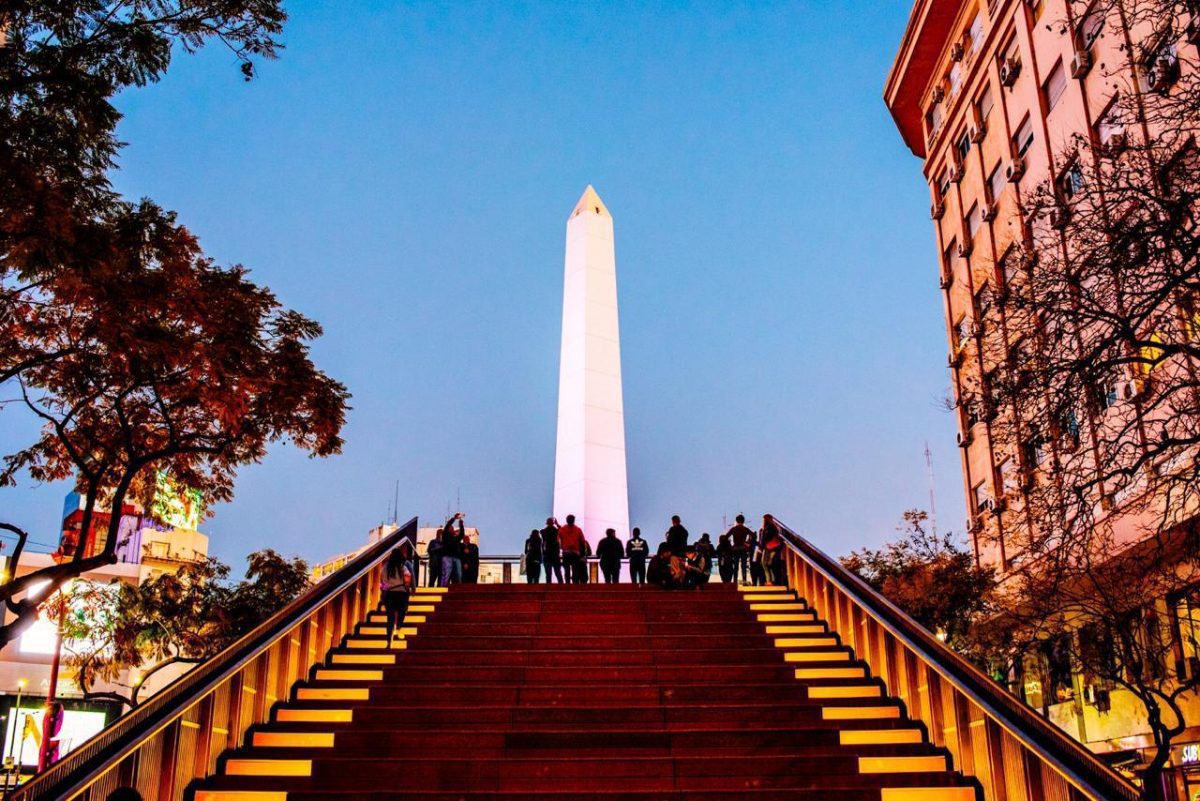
(185, 617)
(1095, 391)
(930, 577)
(137, 352)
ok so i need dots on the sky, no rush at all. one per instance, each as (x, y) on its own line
(404, 173)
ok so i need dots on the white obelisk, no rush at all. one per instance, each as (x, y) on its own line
(589, 465)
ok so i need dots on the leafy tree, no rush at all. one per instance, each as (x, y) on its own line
(184, 617)
(932, 578)
(135, 350)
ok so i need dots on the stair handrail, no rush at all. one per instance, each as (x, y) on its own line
(1065, 755)
(82, 766)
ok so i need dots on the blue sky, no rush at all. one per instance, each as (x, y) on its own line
(404, 174)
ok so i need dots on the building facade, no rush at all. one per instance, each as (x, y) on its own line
(995, 97)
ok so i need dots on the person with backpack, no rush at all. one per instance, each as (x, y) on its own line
(574, 548)
(609, 552)
(772, 550)
(396, 585)
(533, 557)
(636, 551)
(741, 538)
(552, 551)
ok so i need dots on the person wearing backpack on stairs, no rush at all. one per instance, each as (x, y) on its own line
(396, 585)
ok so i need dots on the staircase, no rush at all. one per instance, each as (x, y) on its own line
(591, 693)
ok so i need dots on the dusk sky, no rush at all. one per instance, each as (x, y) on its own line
(404, 175)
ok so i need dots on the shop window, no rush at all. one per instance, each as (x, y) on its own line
(1186, 635)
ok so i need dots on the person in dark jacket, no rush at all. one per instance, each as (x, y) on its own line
(470, 560)
(533, 557)
(609, 551)
(659, 572)
(726, 562)
(637, 550)
(677, 537)
(397, 583)
(741, 538)
(707, 552)
(758, 575)
(434, 551)
(452, 539)
(552, 551)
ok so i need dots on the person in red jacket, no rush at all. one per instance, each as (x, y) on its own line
(571, 540)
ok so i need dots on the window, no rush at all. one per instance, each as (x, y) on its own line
(1009, 479)
(959, 333)
(1071, 183)
(1055, 85)
(955, 79)
(974, 220)
(933, 119)
(1036, 8)
(962, 146)
(943, 183)
(979, 498)
(1090, 28)
(1023, 138)
(996, 182)
(983, 301)
(984, 105)
(1008, 266)
(1110, 125)
(975, 32)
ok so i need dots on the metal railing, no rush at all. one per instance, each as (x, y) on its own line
(176, 736)
(1015, 753)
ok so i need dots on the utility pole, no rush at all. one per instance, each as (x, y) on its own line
(932, 490)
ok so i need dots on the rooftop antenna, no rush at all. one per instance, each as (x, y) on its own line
(932, 490)
(396, 505)
(458, 500)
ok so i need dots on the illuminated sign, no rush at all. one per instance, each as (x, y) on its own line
(1190, 754)
(175, 506)
(77, 728)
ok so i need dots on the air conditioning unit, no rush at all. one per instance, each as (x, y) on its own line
(1009, 70)
(937, 95)
(937, 210)
(1162, 72)
(986, 505)
(988, 211)
(1058, 218)
(956, 171)
(1081, 64)
(957, 51)
(965, 246)
(978, 132)
(1015, 170)
(963, 438)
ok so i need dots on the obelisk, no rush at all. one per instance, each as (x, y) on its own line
(589, 464)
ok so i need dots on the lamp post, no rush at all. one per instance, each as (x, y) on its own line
(18, 735)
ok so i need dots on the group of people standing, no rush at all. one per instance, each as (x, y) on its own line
(563, 552)
(453, 555)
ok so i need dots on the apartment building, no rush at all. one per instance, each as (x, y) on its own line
(995, 96)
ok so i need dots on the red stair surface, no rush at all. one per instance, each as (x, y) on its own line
(575, 693)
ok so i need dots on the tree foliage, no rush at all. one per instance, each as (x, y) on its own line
(183, 617)
(136, 350)
(931, 577)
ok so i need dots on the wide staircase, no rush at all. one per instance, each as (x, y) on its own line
(591, 692)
